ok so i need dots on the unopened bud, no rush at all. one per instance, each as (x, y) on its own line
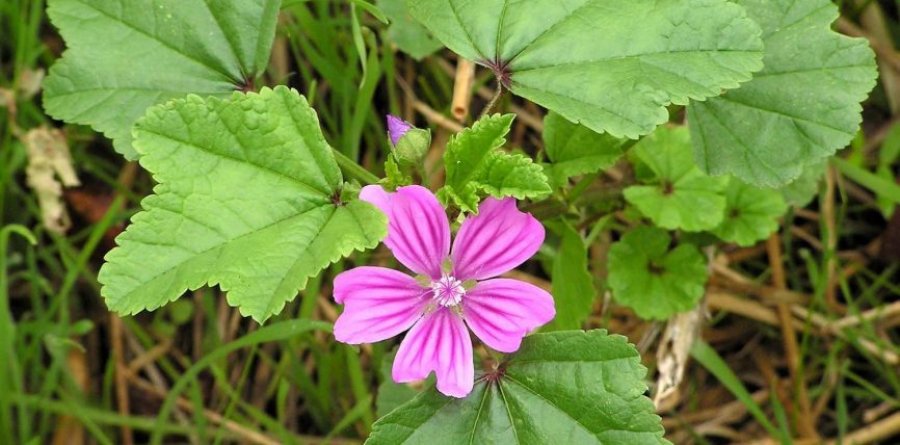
(410, 144)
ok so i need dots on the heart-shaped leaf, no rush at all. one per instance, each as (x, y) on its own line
(125, 56)
(248, 198)
(800, 108)
(651, 279)
(751, 213)
(611, 65)
(677, 194)
(568, 387)
(577, 150)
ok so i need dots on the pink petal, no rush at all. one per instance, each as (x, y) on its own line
(377, 196)
(495, 241)
(418, 229)
(502, 311)
(379, 303)
(438, 342)
(397, 128)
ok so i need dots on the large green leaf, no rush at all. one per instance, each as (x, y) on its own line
(247, 199)
(126, 55)
(577, 150)
(409, 35)
(611, 65)
(676, 195)
(651, 279)
(569, 387)
(476, 165)
(799, 109)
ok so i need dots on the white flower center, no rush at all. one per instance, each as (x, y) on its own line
(448, 291)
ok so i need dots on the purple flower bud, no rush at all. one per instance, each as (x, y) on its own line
(397, 128)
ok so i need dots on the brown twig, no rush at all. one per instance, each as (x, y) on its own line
(789, 337)
(462, 89)
(122, 373)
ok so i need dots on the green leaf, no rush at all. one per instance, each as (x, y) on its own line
(124, 57)
(800, 108)
(391, 394)
(246, 200)
(678, 194)
(476, 165)
(409, 35)
(569, 387)
(394, 176)
(573, 285)
(751, 213)
(652, 280)
(612, 66)
(577, 150)
(802, 190)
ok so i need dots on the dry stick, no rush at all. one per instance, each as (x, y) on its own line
(825, 326)
(237, 429)
(887, 427)
(804, 422)
(879, 313)
(462, 89)
(731, 411)
(436, 117)
(149, 357)
(535, 121)
(828, 214)
(115, 337)
(430, 114)
(155, 376)
(69, 430)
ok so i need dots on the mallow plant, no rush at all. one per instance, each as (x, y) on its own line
(252, 198)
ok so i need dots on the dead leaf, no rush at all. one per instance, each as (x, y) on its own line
(30, 83)
(49, 158)
(674, 352)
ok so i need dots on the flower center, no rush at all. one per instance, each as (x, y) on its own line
(448, 291)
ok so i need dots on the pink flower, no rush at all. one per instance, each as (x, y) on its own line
(454, 288)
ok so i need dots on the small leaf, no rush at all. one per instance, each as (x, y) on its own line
(652, 280)
(409, 35)
(393, 175)
(799, 109)
(577, 150)
(679, 195)
(124, 57)
(476, 165)
(569, 387)
(573, 285)
(751, 213)
(612, 66)
(246, 200)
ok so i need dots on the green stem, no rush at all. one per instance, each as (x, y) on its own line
(353, 169)
(498, 94)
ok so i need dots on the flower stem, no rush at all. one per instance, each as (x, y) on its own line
(352, 169)
(498, 94)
